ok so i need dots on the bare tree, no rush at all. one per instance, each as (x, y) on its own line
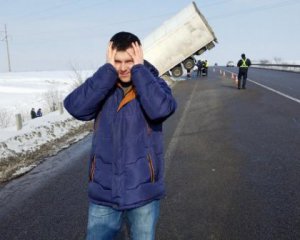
(77, 76)
(25, 114)
(52, 98)
(5, 118)
(277, 60)
(264, 61)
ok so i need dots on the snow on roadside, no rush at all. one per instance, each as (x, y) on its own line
(37, 139)
(35, 133)
(22, 150)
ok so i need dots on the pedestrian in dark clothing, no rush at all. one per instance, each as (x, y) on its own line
(199, 66)
(128, 102)
(243, 65)
(39, 113)
(33, 113)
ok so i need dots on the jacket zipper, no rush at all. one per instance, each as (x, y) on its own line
(151, 168)
(149, 130)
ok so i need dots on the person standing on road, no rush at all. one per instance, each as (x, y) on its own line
(128, 102)
(199, 66)
(243, 64)
(205, 67)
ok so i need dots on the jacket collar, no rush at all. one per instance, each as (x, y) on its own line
(131, 93)
(129, 96)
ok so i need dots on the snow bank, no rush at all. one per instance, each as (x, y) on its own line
(22, 150)
(41, 137)
(35, 133)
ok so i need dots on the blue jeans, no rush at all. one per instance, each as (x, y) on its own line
(105, 222)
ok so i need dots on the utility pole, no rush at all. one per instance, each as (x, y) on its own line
(7, 48)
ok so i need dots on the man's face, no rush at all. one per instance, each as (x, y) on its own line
(123, 65)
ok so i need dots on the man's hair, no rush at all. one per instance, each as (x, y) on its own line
(123, 40)
(243, 55)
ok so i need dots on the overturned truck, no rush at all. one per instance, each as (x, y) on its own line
(174, 45)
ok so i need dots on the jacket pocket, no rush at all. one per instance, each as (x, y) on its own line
(92, 169)
(151, 168)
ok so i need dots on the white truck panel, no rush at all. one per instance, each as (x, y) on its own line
(177, 39)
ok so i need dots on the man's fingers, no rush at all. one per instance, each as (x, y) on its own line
(109, 48)
(111, 53)
(141, 53)
(108, 52)
(137, 53)
(136, 48)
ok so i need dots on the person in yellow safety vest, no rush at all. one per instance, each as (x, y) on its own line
(243, 65)
(205, 66)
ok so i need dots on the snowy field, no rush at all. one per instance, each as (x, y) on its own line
(21, 150)
(22, 91)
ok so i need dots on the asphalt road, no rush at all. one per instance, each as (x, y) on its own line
(285, 82)
(232, 168)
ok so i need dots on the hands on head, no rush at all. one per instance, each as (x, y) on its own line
(110, 54)
(135, 52)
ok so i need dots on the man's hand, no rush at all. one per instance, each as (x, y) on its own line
(137, 54)
(110, 54)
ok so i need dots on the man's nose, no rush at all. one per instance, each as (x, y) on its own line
(123, 66)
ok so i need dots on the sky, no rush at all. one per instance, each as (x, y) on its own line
(62, 34)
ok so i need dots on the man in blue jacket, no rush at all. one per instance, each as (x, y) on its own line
(129, 102)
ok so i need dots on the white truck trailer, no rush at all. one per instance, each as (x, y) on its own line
(174, 44)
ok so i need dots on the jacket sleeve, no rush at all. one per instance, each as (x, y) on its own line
(153, 93)
(249, 62)
(84, 102)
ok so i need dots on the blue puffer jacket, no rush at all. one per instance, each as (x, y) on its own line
(126, 163)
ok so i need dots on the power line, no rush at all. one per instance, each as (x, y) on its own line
(54, 7)
(55, 11)
(256, 9)
(212, 4)
(98, 26)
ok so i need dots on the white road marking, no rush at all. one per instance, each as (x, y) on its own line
(275, 91)
(169, 154)
(271, 89)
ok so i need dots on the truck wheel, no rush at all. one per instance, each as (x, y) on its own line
(177, 71)
(189, 63)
